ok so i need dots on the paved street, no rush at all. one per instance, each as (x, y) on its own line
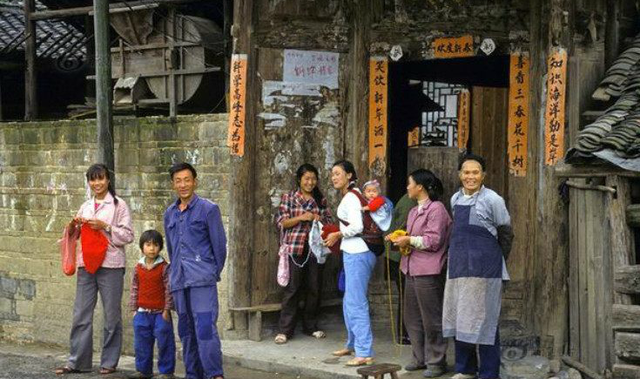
(38, 362)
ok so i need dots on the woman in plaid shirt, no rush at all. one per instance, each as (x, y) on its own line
(297, 210)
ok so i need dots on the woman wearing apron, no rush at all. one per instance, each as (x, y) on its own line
(480, 240)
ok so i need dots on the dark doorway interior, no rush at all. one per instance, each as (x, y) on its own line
(409, 105)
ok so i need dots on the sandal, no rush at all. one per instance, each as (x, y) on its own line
(318, 334)
(66, 370)
(342, 352)
(355, 362)
(280, 339)
(107, 371)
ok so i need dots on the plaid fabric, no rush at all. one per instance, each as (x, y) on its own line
(293, 204)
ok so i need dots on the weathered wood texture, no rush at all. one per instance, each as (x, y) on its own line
(590, 284)
(622, 239)
(628, 347)
(627, 279)
(30, 75)
(626, 318)
(241, 241)
(489, 117)
(633, 215)
(623, 371)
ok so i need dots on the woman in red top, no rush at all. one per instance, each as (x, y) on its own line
(297, 210)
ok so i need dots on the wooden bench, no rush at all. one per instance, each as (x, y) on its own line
(378, 371)
(256, 311)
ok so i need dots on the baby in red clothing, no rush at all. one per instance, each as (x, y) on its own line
(380, 207)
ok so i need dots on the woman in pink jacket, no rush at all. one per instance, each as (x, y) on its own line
(428, 231)
(99, 273)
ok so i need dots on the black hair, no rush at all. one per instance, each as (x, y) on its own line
(349, 169)
(317, 194)
(429, 181)
(472, 157)
(152, 236)
(181, 167)
(99, 171)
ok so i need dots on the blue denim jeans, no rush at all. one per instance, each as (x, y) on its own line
(355, 306)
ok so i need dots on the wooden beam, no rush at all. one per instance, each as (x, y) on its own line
(241, 237)
(622, 241)
(628, 346)
(612, 32)
(104, 95)
(113, 8)
(568, 171)
(30, 75)
(627, 279)
(622, 371)
(626, 318)
(580, 367)
(633, 215)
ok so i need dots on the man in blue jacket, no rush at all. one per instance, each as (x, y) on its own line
(197, 248)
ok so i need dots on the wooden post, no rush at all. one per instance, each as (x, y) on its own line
(241, 234)
(359, 88)
(104, 95)
(612, 32)
(30, 79)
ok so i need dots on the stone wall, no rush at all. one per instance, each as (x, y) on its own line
(42, 185)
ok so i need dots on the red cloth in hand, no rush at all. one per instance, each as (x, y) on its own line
(376, 203)
(328, 229)
(94, 248)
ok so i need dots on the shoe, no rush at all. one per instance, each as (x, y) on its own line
(434, 372)
(355, 362)
(415, 367)
(342, 352)
(463, 376)
(405, 341)
(165, 376)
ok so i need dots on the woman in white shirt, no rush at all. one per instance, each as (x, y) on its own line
(359, 262)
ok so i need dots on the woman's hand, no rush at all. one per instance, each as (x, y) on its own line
(402, 241)
(388, 238)
(76, 221)
(308, 216)
(96, 224)
(332, 238)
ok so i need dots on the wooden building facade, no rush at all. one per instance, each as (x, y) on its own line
(322, 74)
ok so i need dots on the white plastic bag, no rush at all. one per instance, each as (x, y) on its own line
(316, 245)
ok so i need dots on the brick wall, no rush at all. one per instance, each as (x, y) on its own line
(42, 166)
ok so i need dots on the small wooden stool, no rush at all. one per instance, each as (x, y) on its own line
(378, 371)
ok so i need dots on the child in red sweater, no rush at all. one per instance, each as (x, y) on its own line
(150, 302)
(379, 206)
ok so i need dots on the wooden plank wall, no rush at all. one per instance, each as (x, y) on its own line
(489, 114)
(443, 161)
(590, 280)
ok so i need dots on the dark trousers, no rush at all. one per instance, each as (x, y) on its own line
(398, 278)
(423, 316)
(148, 328)
(305, 284)
(467, 360)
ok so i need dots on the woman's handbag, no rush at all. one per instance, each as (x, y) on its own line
(283, 269)
(68, 252)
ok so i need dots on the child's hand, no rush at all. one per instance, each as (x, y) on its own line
(133, 313)
(365, 208)
(166, 315)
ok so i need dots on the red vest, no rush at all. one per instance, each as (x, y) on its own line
(151, 286)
